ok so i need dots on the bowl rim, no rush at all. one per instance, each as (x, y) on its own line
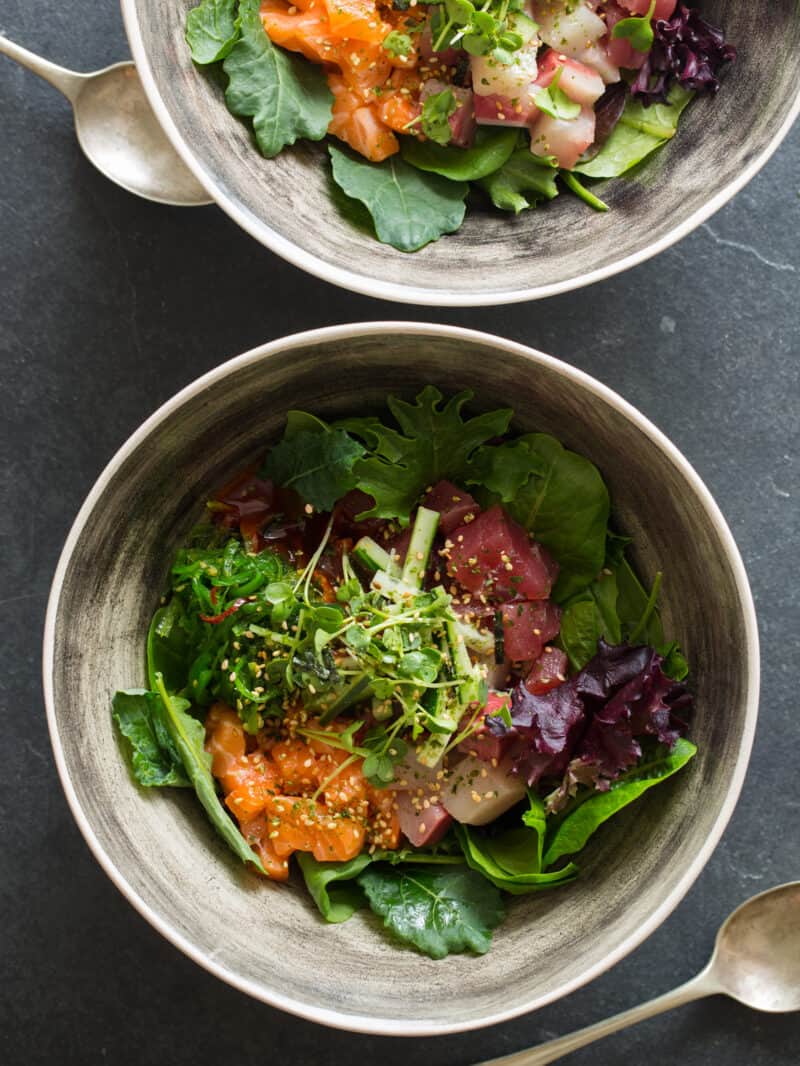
(412, 294)
(368, 1023)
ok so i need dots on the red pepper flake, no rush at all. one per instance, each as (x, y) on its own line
(215, 619)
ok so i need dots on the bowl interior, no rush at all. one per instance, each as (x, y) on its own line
(269, 939)
(286, 202)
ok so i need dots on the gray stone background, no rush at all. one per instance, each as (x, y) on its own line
(108, 305)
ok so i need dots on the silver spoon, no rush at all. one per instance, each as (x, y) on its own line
(756, 960)
(118, 131)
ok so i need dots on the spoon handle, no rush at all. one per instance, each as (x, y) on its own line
(66, 81)
(702, 985)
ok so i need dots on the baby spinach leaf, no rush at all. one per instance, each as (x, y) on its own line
(491, 149)
(565, 505)
(435, 117)
(587, 617)
(154, 758)
(521, 182)
(435, 441)
(286, 96)
(632, 603)
(331, 885)
(188, 737)
(639, 132)
(438, 911)
(594, 808)
(502, 469)
(408, 207)
(517, 849)
(212, 29)
(319, 466)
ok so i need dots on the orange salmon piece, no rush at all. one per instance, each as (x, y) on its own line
(358, 125)
(356, 19)
(256, 832)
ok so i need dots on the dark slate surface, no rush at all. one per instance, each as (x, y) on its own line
(108, 305)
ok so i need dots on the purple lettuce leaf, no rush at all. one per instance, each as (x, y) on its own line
(587, 730)
(687, 50)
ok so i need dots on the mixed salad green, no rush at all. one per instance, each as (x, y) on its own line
(510, 100)
(410, 652)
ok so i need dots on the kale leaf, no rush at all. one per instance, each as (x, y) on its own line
(318, 466)
(212, 29)
(409, 208)
(286, 96)
(440, 911)
(434, 442)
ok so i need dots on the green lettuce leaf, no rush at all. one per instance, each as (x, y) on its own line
(590, 809)
(319, 466)
(639, 132)
(440, 911)
(434, 442)
(154, 758)
(188, 737)
(212, 29)
(409, 208)
(171, 647)
(331, 885)
(491, 857)
(491, 149)
(587, 617)
(521, 182)
(286, 96)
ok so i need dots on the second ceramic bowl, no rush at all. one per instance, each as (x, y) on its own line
(286, 203)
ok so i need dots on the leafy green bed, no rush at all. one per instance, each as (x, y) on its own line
(418, 196)
(406, 656)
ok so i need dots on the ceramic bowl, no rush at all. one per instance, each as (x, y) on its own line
(286, 202)
(268, 939)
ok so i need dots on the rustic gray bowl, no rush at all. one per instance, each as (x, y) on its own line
(286, 202)
(268, 939)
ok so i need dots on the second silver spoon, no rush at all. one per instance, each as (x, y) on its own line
(756, 960)
(117, 129)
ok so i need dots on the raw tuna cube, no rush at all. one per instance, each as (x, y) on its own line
(494, 557)
(452, 503)
(579, 82)
(448, 58)
(422, 826)
(483, 742)
(462, 121)
(620, 50)
(664, 8)
(497, 110)
(527, 627)
(549, 671)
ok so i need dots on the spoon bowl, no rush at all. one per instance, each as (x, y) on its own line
(121, 136)
(118, 130)
(757, 955)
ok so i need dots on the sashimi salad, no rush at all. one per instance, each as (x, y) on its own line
(516, 97)
(410, 655)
